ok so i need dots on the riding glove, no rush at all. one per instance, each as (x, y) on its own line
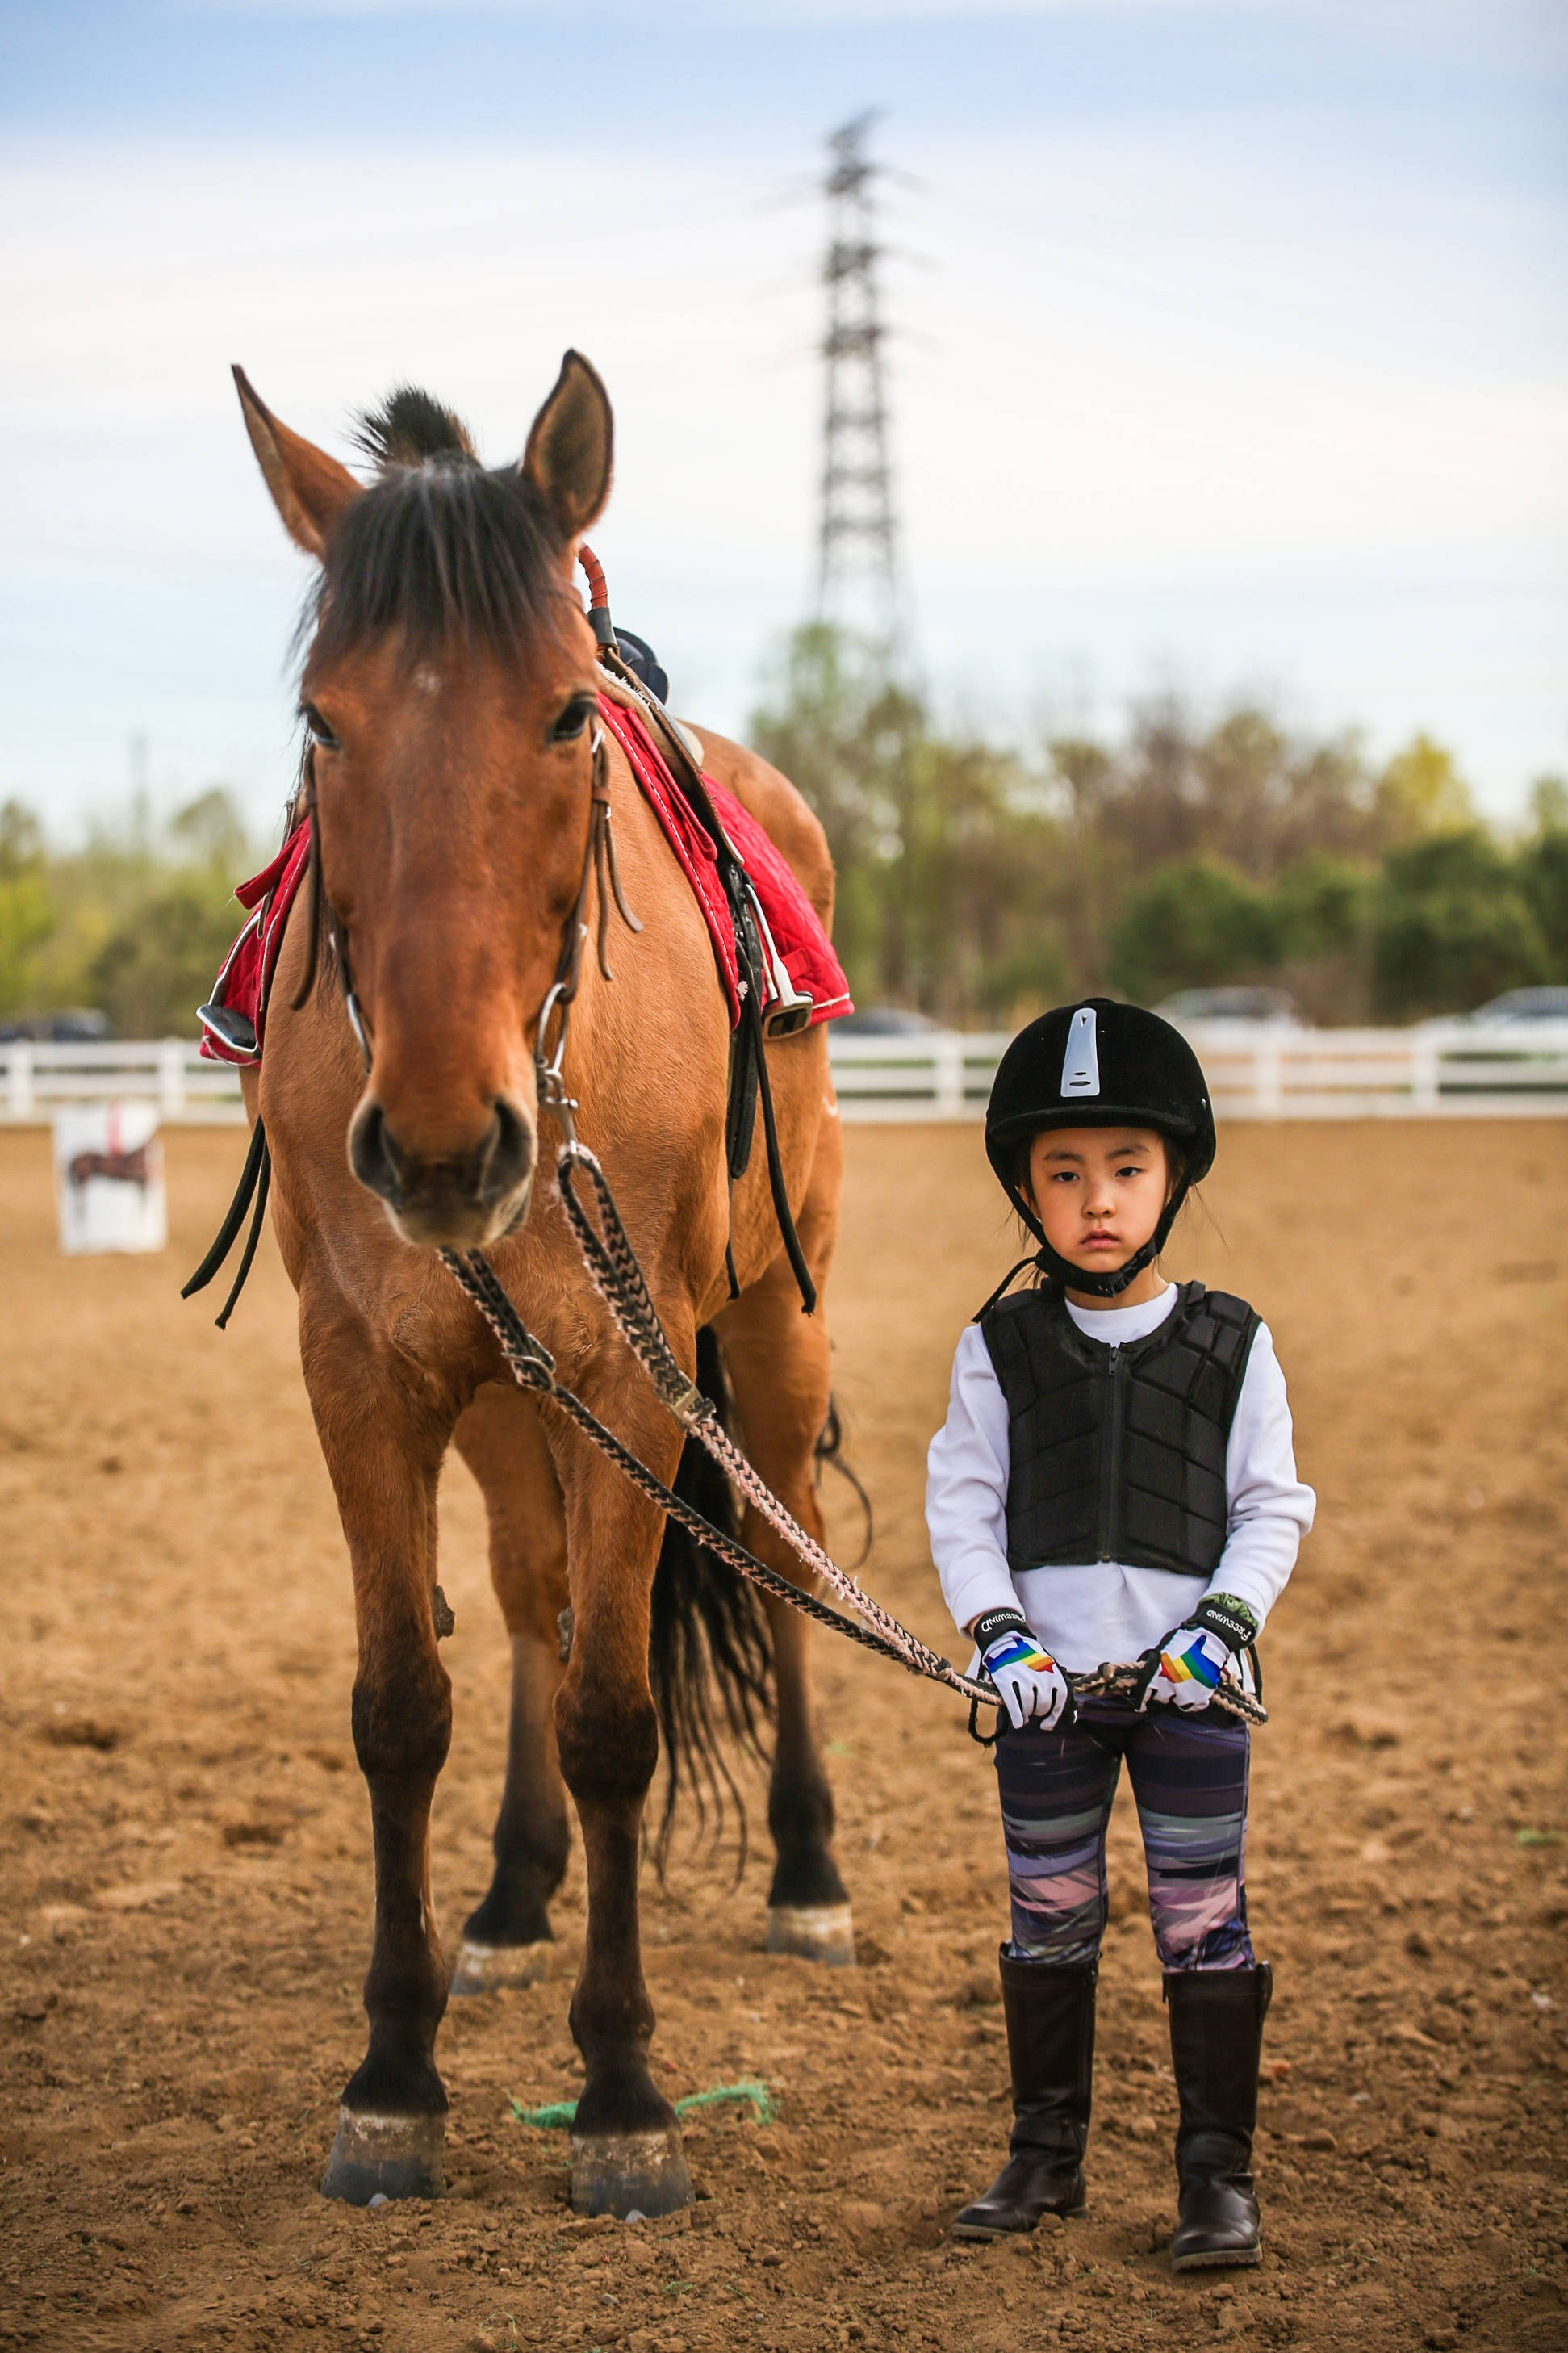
(1185, 1668)
(1029, 1684)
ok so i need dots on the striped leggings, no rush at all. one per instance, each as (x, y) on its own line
(1189, 1778)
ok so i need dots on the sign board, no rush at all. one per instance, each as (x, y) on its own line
(109, 1177)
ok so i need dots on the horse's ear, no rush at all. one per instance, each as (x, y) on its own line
(569, 446)
(308, 488)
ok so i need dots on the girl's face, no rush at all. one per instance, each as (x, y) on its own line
(1098, 1192)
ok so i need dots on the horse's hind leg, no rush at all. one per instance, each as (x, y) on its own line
(506, 1941)
(779, 1369)
(384, 1447)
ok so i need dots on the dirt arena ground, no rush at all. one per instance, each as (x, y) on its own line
(188, 1888)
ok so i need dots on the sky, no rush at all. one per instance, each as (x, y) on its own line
(1231, 346)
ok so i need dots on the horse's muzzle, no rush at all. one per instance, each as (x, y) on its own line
(460, 1201)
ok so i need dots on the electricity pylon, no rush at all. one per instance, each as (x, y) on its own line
(857, 581)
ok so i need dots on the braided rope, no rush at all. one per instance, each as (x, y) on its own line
(533, 1368)
(617, 1276)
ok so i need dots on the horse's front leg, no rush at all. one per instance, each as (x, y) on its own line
(625, 2142)
(384, 1445)
(506, 1940)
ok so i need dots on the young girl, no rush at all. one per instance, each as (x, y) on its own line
(1116, 1481)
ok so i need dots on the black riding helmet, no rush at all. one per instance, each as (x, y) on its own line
(1098, 1064)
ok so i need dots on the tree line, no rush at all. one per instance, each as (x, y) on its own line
(133, 923)
(978, 880)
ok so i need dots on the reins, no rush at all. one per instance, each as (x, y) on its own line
(533, 1368)
(618, 1277)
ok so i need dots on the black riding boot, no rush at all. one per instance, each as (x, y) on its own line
(1217, 2041)
(1050, 2045)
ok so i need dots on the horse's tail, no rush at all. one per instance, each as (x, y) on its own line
(710, 1659)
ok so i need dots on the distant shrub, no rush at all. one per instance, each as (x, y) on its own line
(1543, 879)
(151, 973)
(1325, 906)
(1452, 926)
(26, 909)
(1194, 923)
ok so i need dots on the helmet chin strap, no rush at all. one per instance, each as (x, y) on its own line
(1107, 1286)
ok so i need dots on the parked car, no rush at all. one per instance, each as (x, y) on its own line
(886, 1021)
(1516, 1005)
(1251, 1005)
(78, 1025)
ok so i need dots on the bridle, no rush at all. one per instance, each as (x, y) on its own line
(599, 862)
(321, 913)
(600, 866)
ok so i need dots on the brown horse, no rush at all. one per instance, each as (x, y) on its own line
(448, 691)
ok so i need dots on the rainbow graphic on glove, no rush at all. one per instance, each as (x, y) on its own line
(1199, 1658)
(1018, 1651)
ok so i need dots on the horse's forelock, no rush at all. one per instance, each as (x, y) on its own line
(440, 553)
(411, 427)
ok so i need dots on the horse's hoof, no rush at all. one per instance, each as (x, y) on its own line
(384, 2157)
(484, 1969)
(814, 1932)
(632, 2172)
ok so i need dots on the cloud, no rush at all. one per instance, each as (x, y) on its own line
(1149, 354)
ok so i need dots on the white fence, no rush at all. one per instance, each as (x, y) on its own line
(1452, 1070)
(38, 1080)
(1253, 1073)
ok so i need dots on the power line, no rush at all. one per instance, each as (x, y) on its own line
(858, 578)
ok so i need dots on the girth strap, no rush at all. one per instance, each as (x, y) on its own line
(255, 1180)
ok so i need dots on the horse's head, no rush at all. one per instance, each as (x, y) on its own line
(448, 691)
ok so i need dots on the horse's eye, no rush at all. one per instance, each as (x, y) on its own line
(318, 729)
(574, 719)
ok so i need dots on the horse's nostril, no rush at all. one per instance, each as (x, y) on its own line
(440, 1186)
(508, 1159)
(373, 1157)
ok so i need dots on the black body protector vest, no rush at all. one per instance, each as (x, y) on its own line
(1117, 1451)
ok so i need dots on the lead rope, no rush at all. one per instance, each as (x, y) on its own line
(617, 1275)
(533, 1368)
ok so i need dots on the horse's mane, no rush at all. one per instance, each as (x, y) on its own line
(439, 551)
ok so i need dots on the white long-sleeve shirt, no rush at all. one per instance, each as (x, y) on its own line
(1102, 1611)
